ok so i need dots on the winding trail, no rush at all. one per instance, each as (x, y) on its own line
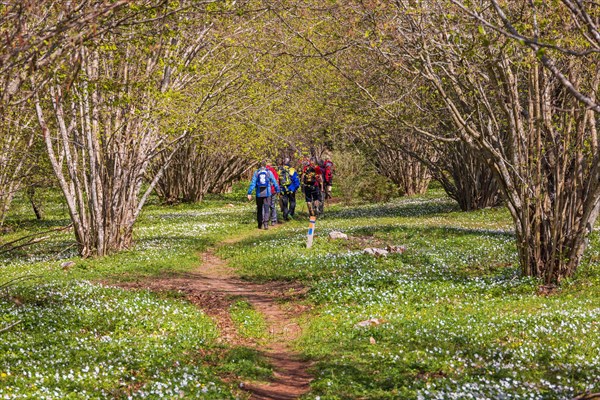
(212, 287)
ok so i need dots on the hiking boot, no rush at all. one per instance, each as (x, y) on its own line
(265, 226)
(273, 223)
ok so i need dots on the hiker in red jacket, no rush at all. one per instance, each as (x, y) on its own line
(273, 207)
(327, 177)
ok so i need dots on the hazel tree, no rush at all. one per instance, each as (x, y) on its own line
(34, 37)
(505, 104)
(17, 135)
(99, 117)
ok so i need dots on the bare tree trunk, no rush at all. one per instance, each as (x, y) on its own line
(408, 173)
(16, 141)
(35, 202)
(466, 178)
(545, 164)
(101, 152)
(199, 168)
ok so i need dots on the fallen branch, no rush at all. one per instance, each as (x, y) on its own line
(7, 284)
(29, 239)
(6, 328)
(587, 396)
(58, 255)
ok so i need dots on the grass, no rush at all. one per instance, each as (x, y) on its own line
(458, 319)
(249, 322)
(243, 362)
(78, 338)
(81, 340)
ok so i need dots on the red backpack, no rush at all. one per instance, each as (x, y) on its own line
(328, 171)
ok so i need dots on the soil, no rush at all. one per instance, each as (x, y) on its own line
(214, 286)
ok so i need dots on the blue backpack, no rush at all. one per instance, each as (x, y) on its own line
(262, 179)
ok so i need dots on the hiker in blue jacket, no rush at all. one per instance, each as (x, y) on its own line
(262, 181)
(289, 183)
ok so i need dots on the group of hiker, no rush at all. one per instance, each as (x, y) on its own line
(283, 181)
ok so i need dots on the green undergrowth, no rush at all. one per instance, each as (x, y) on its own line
(450, 318)
(166, 239)
(78, 337)
(249, 322)
(245, 363)
(80, 340)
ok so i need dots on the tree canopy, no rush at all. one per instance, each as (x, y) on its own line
(495, 100)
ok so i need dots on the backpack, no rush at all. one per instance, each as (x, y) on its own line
(262, 179)
(310, 177)
(327, 171)
(285, 178)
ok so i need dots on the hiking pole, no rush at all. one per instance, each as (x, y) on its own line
(311, 231)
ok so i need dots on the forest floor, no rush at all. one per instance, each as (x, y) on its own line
(214, 287)
(207, 306)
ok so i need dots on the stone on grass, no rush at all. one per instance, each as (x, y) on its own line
(369, 322)
(375, 252)
(67, 265)
(396, 249)
(337, 235)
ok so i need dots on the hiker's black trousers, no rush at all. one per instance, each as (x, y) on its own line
(312, 193)
(287, 202)
(263, 205)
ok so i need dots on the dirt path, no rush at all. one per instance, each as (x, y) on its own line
(212, 287)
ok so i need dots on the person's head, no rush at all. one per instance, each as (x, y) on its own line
(279, 161)
(286, 161)
(263, 163)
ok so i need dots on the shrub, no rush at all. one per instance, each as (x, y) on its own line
(356, 178)
(376, 188)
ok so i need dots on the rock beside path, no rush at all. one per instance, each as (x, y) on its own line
(67, 265)
(377, 252)
(396, 249)
(369, 322)
(337, 235)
